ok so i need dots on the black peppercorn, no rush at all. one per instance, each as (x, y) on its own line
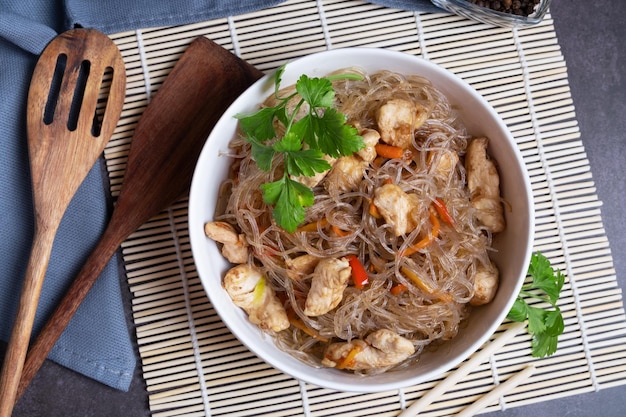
(517, 7)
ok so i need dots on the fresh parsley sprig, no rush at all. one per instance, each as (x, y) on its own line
(544, 325)
(322, 131)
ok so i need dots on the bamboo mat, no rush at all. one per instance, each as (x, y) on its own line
(194, 366)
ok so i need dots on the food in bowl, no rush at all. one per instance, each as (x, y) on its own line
(394, 248)
(509, 249)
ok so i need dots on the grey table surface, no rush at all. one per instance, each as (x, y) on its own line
(591, 35)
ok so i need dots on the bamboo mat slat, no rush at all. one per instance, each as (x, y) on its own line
(194, 366)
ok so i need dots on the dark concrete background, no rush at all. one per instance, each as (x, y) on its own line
(591, 35)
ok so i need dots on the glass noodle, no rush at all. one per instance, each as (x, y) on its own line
(445, 267)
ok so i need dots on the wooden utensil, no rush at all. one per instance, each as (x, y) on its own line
(500, 390)
(69, 122)
(462, 371)
(162, 156)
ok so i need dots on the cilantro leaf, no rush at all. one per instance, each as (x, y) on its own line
(543, 344)
(304, 129)
(544, 325)
(289, 143)
(278, 78)
(329, 133)
(282, 116)
(306, 162)
(519, 311)
(554, 322)
(259, 125)
(300, 161)
(536, 320)
(305, 144)
(272, 191)
(545, 278)
(318, 92)
(262, 154)
(335, 137)
(289, 197)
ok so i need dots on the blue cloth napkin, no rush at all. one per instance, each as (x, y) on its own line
(97, 342)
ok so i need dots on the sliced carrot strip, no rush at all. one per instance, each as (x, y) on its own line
(389, 151)
(398, 289)
(299, 324)
(417, 280)
(443, 212)
(373, 211)
(425, 241)
(349, 359)
(339, 232)
(378, 161)
(312, 227)
(419, 283)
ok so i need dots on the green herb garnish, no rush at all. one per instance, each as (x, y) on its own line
(544, 325)
(322, 132)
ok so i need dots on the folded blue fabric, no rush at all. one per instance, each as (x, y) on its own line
(415, 5)
(119, 15)
(97, 342)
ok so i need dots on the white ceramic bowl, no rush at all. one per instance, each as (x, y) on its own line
(514, 245)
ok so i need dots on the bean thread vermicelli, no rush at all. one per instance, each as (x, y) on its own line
(422, 292)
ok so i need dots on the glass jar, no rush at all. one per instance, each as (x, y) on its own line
(492, 17)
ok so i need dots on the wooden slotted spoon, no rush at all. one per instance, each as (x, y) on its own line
(165, 147)
(69, 121)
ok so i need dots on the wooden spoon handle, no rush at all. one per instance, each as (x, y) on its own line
(23, 324)
(62, 315)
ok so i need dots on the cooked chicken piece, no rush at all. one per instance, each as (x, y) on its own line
(397, 119)
(443, 162)
(380, 349)
(483, 183)
(300, 266)
(370, 138)
(248, 290)
(346, 174)
(234, 246)
(489, 213)
(397, 208)
(348, 171)
(485, 284)
(330, 278)
(311, 182)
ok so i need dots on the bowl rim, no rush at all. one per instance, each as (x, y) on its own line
(197, 217)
